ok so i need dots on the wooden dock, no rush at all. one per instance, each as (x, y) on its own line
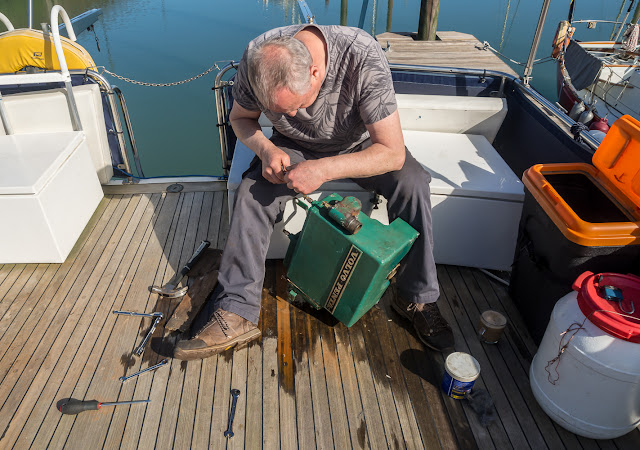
(452, 49)
(308, 383)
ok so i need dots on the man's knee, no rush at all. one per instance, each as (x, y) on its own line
(256, 196)
(412, 180)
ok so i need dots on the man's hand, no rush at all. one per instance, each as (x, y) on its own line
(305, 177)
(274, 162)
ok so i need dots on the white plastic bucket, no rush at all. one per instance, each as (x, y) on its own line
(594, 391)
(461, 372)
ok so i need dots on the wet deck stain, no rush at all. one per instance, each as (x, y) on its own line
(362, 433)
(396, 443)
(183, 366)
(454, 300)
(227, 355)
(273, 373)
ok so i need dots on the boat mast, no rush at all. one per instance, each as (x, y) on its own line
(30, 13)
(536, 41)
(624, 20)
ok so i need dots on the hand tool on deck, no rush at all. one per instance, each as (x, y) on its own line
(235, 393)
(75, 406)
(169, 290)
(148, 369)
(158, 317)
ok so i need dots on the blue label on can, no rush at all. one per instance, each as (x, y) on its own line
(456, 388)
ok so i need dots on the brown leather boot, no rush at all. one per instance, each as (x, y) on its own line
(223, 331)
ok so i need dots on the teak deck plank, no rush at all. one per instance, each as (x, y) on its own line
(5, 269)
(375, 423)
(485, 298)
(270, 372)
(102, 382)
(396, 437)
(406, 414)
(322, 418)
(355, 413)
(175, 376)
(35, 352)
(192, 370)
(450, 50)
(494, 435)
(335, 387)
(286, 389)
(497, 358)
(308, 383)
(114, 357)
(20, 310)
(302, 382)
(9, 282)
(68, 363)
(253, 413)
(24, 281)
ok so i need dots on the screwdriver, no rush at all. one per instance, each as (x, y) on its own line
(75, 406)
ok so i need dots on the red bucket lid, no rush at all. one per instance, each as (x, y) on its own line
(611, 301)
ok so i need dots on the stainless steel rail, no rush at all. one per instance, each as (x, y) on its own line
(127, 122)
(222, 112)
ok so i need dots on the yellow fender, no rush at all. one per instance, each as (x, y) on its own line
(25, 47)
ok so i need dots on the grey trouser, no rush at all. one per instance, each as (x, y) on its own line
(260, 204)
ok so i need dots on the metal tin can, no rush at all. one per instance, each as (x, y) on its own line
(461, 372)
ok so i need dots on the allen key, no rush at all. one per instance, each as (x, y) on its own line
(158, 317)
(160, 364)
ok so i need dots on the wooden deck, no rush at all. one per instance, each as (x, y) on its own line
(309, 383)
(452, 49)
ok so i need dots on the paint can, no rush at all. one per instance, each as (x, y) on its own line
(461, 372)
(490, 326)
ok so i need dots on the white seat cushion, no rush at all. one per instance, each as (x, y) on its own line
(451, 114)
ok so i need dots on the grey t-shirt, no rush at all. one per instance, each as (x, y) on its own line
(357, 90)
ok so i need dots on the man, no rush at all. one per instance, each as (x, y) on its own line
(329, 94)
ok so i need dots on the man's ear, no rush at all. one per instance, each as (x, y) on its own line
(315, 72)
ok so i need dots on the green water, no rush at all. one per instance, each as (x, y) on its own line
(170, 40)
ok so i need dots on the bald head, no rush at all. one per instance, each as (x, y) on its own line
(278, 63)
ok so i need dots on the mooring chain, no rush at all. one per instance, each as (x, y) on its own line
(175, 83)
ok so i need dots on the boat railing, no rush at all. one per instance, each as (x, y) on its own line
(589, 21)
(63, 76)
(127, 122)
(223, 106)
(7, 23)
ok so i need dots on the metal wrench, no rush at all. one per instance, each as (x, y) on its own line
(158, 317)
(235, 393)
(161, 363)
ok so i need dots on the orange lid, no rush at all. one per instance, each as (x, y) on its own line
(618, 157)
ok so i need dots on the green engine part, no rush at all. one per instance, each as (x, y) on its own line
(345, 273)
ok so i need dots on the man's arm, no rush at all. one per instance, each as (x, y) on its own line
(386, 154)
(246, 127)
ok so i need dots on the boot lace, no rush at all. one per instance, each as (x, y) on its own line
(220, 320)
(431, 314)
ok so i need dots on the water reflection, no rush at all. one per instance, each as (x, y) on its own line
(170, 40)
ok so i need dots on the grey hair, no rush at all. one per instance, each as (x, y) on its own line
(278, 62)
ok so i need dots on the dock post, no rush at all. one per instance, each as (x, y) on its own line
(389, 14)
(343, 12)
(428, 23)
